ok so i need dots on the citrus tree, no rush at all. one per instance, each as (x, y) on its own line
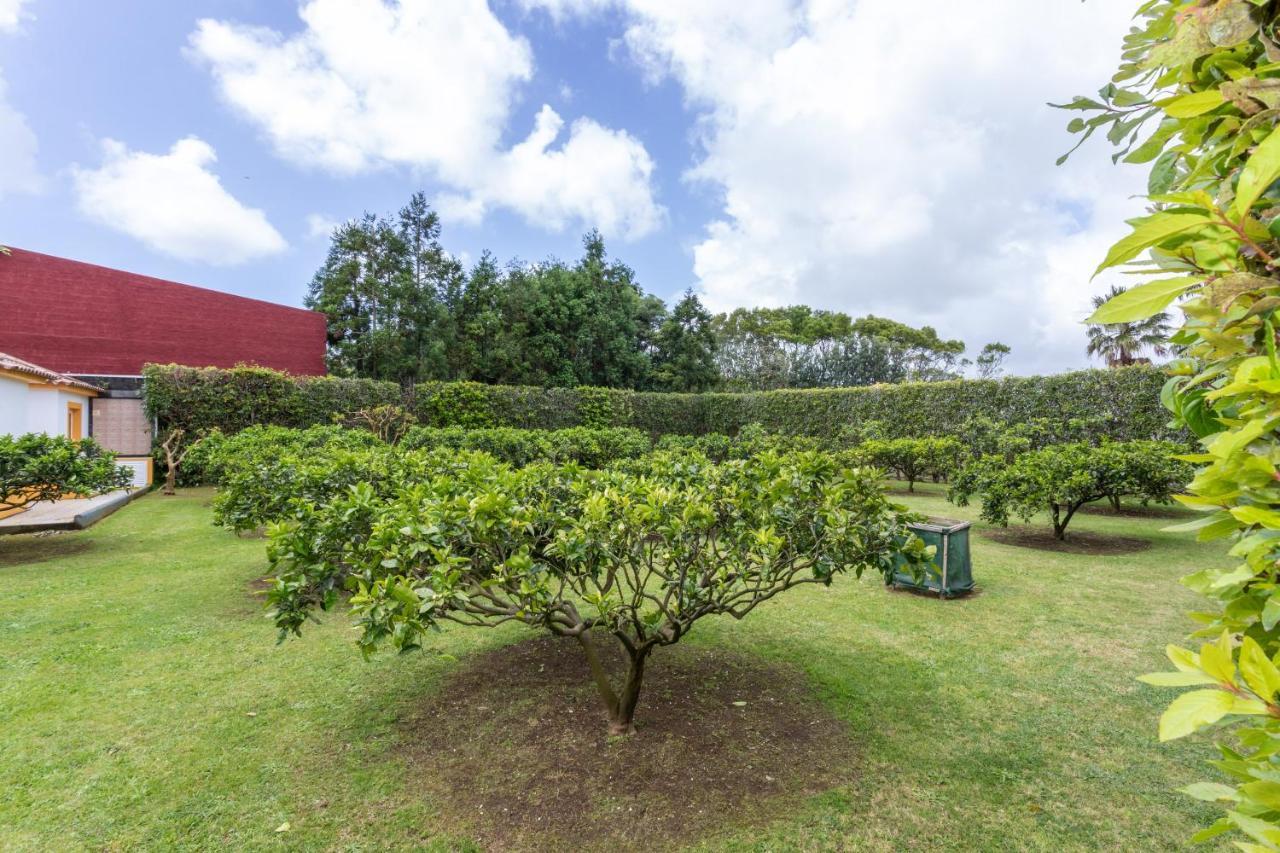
(1197, 96)
(37, 467)
(637, 555)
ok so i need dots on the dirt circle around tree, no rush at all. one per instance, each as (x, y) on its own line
(1077, 541)
(515, 749)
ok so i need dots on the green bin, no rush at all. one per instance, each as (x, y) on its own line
(950, 573)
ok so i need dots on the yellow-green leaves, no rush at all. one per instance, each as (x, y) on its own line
(1262, 676)
(1193, 711)
(1260, 171)
(1150, 231)
(1142, 301)
(1197, 103)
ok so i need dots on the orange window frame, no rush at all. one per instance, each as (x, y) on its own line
(75, 421)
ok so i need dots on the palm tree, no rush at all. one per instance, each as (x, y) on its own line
(1122, 344)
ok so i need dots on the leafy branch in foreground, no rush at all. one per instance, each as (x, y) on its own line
(1198, 97)
(38, 467)
(637, 555)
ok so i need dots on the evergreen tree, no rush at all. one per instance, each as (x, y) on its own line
(685, 349)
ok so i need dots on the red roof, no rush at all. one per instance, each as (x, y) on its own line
(83, 319)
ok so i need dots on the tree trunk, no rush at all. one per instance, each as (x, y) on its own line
(621, 707)
(1115, 502)
(170, 480)
(622, 721)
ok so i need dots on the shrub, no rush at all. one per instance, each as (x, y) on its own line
(36, 467)
(1121, 404)
(584, 554)
(1061, 478)
(593, 448)
(388, 423)
(912, 459)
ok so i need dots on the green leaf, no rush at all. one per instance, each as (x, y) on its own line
(1194, 710)
(1176, 679)
(1197, 103)
(1258, 671)
(1211, 791)
(1260, 172)
(1142, 301)
(1148, 232)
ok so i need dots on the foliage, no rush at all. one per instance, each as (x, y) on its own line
(201, 399)
(990, 361)
(584, 554)
(592, 448)
(770, 349)
(1122, 403)
(913, 459)
(685, 348)
(1061, 478)
(1122, 344)
(37, 467)
(1195, 96)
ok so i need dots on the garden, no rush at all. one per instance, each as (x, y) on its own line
(656, 615)
(690, 641)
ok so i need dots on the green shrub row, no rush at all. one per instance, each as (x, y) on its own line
(593, 448)
(1122, 403)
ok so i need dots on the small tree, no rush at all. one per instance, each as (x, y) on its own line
(912, 459)
(1061, 478)
(174, 453)
(388, 423)
(638, 556)
(38, 467)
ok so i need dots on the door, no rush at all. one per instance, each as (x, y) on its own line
(75, 421)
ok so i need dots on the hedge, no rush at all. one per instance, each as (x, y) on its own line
(1126, 400)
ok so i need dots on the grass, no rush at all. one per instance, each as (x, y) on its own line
(143, 703)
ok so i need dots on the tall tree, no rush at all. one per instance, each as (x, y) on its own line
(991, 360)
(685, 348)
(1122, 344)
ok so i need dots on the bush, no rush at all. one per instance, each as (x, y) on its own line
(912, 459)
(36, 467)
(1062, 478)
(584, 554)
(1121, 404)
(593, 448)
(202, 399)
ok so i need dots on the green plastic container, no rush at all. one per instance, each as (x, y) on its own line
(951, 573)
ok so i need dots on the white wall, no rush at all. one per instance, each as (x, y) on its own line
(13, 409)
(25, 409)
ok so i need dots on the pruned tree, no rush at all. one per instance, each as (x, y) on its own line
(636, 556)
(174, 453)
(388, 423)
(36, 467)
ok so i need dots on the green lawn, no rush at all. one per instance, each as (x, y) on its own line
(144, 704)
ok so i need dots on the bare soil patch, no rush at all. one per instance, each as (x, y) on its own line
(516, 750)
(1077, 541)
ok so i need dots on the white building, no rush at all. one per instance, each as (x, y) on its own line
(33, 399)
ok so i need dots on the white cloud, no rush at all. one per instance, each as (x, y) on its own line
(880, 156)
(18, 172)
(11, 14)
(430, 85)
(599, 176)
(319, 225)
(174, 204)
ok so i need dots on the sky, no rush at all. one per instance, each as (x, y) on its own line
(867, 156)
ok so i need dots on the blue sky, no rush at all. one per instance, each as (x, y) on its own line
(762, 152)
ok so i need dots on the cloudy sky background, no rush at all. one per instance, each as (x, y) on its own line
(870, 156)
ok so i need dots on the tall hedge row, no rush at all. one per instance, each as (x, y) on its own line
(231, 400)
(1128, 398)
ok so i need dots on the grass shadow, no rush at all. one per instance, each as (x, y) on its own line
(29, 549)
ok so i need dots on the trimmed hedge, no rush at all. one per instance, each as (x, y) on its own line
(592, 448)
(1124, 403)
(202, 399)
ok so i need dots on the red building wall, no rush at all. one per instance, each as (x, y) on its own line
(83, 319)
